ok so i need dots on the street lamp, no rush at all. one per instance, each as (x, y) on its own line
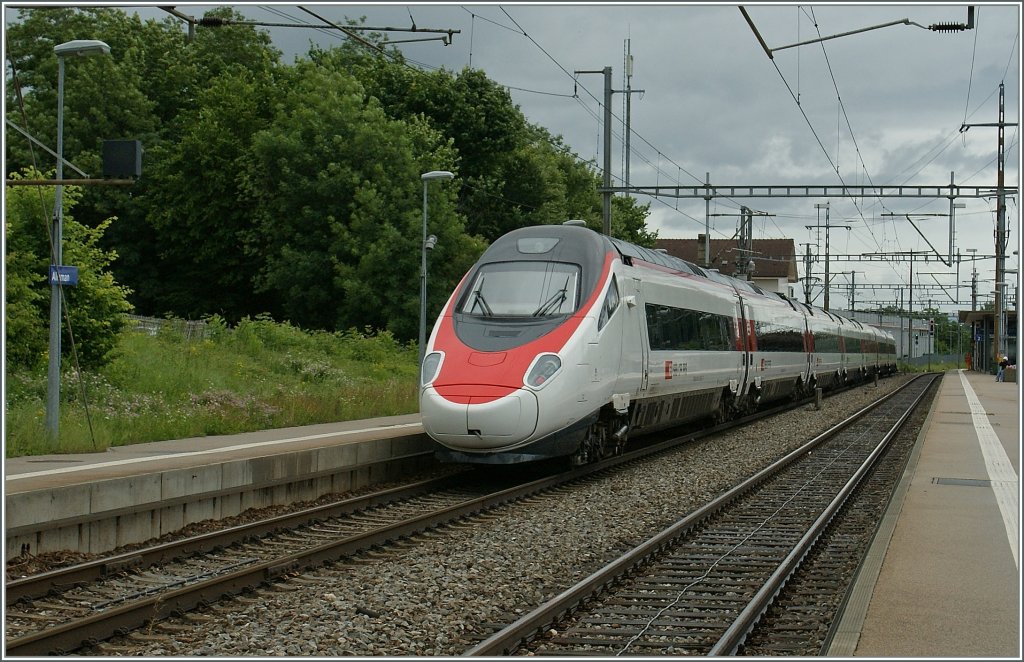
(424, 247)
(80, 48)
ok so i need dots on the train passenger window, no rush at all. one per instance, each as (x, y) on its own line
(671, 328)
(611, 302)
(826, 342)
(773, 337)
(523, 289)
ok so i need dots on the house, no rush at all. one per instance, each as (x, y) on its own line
(773, 260)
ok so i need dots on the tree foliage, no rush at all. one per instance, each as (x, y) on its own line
(292, 190)
(95, 307)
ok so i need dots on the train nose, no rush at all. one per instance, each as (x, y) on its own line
(478, 422)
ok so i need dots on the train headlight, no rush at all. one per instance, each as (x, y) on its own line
(431, 366)
(544, 367)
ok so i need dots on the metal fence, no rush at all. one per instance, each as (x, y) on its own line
(189, 329)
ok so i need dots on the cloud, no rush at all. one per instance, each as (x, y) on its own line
(713, 102)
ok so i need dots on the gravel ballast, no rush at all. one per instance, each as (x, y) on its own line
(435, 595)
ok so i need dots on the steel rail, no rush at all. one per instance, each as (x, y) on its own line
(762, 600)
(40, 585)
(505, 641)
(72, 635)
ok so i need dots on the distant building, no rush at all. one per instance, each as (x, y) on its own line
(982, 323)
(773, 260)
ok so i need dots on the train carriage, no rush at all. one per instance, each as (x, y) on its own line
(564, 342)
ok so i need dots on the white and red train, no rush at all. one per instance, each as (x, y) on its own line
(561, 341)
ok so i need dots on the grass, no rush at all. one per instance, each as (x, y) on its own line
(257, 375)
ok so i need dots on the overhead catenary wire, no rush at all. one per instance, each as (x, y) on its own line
(796, 99)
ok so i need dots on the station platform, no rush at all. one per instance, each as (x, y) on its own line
(942, 578)
(96, 502)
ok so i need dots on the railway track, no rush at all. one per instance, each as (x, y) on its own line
(64, 610)
(703, 585)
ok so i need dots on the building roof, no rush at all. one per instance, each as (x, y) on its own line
(773, 258)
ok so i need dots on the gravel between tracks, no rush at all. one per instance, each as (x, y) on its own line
(434, 595)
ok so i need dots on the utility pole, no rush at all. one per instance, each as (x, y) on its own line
(629, 96)
(1000, 234)
(953, 206)
(997, 324)
(606, 202)
(974, 287)
(807, 274)
(853, 290)
(828, 228)
(628, 66)
(745, 243)
(707, 221)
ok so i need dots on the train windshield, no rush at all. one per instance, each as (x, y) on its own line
(523, 289)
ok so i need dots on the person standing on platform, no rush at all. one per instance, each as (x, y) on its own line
(968, 360)
(1001, 375)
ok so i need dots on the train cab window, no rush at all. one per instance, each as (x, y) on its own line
(611, 302)
(528, 289)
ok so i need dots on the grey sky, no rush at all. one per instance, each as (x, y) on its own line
(714, 102)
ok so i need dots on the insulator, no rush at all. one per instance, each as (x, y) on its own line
(947, 27)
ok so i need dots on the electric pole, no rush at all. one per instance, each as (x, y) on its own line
(629, 96)
(1000, 234)
(606, 196)
(828, 228)
(807, 274)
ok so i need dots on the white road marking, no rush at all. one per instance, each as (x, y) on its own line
(135, 460)
(1000, 471)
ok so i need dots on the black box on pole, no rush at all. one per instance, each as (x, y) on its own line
(122, 158)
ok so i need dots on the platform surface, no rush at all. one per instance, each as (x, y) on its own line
(943, 576)
(48, 471)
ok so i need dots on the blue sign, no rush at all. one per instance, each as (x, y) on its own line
(978, 337)
(63, 275)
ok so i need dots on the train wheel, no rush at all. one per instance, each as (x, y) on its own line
(604, 439)
(592, 447)
(725, 406)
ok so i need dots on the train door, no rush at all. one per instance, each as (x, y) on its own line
(606, 348)
(633, 368)
(808, 350)
(743, 345)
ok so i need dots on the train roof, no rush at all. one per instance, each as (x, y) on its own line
(663, 259)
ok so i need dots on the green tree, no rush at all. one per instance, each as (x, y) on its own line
(96, 306)
(288, 189)
(199, 218)
(154, 86)
(514, 173)
(338, 219)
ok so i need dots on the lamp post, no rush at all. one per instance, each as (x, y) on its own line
(426, 177)
(80, 48)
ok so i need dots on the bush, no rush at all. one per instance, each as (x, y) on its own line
(96, 306)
